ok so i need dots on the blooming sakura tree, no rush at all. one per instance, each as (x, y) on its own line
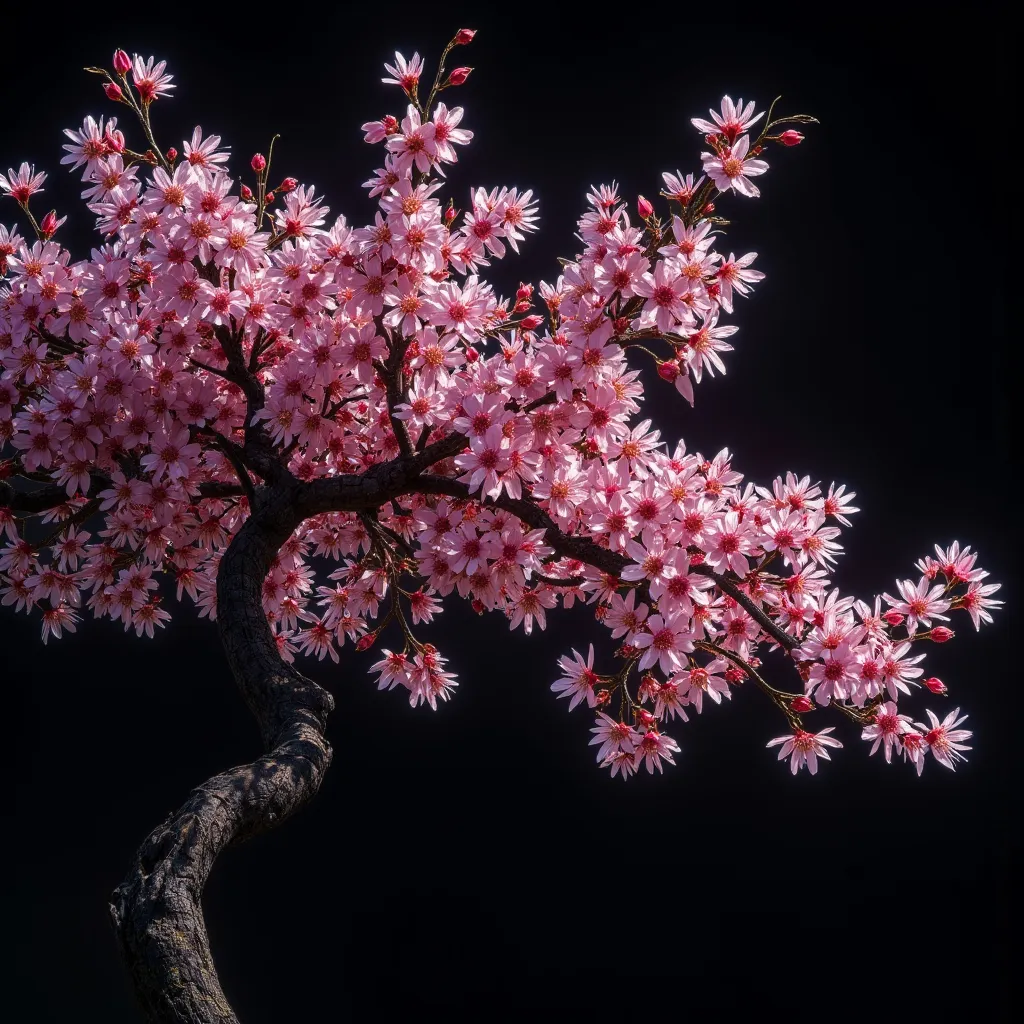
(317, 432)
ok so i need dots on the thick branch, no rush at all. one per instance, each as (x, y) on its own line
(32, 502)
(776, 632)
(157, 909)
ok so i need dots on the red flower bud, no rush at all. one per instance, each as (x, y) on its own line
(390, 123)
(646, 718)
(936, 685)
(113, 91)
(644, 208)
(668, 370)
(49, 224)
(801, 704)
(172, 154)
(450, 214)
(471, 354)
(531, 323)
(258, 162)
(288, 184)
(122, 62)
(893, 618)
(525, 291)
(734, 675)
(708, 208)
(364, 643)
(245, 192)
(791, 138)
(150, 157)
(458, 76)
(269, 198)
(464, 36)
(940, 634)
(603, 696)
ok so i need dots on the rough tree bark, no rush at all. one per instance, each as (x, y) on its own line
(157, 910)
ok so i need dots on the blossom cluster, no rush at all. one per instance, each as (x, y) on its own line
(123, 384)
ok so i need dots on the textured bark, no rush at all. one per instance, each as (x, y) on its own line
(157, 910)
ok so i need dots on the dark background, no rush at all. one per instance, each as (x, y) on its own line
(475, 863)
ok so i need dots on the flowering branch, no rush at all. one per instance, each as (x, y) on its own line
(234, 390)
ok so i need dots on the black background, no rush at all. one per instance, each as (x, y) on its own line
(475, 863)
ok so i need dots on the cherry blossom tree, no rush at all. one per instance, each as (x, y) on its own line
(317, 432)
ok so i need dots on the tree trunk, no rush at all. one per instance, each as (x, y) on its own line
(157, 910)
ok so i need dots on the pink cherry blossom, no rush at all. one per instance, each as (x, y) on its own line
(804, 747)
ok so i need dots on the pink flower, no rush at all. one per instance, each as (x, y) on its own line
(734, 275)
(151, 81)
(578, 679)
(920, 603)
(733, 169)
(653, 747)
(663, 644)
(172, 455)
(805, 748)
(404, 73)
(664, 291)
(888, 728)
(944, 739)
(734, 120)
(613, 736)
(23, 183)
(414, 145)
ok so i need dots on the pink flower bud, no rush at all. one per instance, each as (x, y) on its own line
(936, 685)
(258, 162)
(801, 704)
(464, 35)
(450, 214)
(245, 192)
(791, 138)
(668, 370)
(649, 687)
(172, 154)
(49, 224)
(458, 76)
(531, 323)
(893, 618)
(646, 719)
(940, 634)
(122, 62)
(390, 123)
(644, 207)
(288, 184)
(113, 91)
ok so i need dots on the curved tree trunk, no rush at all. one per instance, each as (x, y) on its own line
(157, 910)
